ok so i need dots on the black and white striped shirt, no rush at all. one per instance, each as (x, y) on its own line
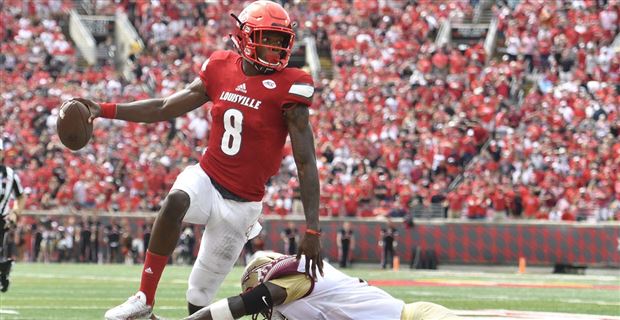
(9, 183)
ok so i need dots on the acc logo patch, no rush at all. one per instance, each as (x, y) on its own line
(269, 84)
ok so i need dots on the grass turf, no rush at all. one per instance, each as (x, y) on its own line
(77, 291)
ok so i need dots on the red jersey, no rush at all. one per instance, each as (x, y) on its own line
(248, 132)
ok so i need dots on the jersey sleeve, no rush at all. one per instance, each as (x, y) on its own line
(203, 73)
(297, 286)
(300, 91)
(208, 70)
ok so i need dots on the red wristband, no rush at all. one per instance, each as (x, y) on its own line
(108, 110)
(313, 232)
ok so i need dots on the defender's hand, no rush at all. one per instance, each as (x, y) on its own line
(310, 246)
(93, 107)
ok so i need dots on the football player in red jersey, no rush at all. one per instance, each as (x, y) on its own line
(257, 102)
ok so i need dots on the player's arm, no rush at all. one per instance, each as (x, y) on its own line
(302, 141)
(153, 110)
(256, 300)
(18, 206)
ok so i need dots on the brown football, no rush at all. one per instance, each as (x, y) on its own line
(72, 125)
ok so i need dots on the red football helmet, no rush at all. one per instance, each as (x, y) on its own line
(258, 17)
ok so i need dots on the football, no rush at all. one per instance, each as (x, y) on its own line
(72, 125)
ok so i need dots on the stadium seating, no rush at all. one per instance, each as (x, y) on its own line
(398, 120)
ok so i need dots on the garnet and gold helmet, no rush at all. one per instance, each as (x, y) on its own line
(255, 272)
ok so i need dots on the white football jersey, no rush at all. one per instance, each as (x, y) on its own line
(337, 296)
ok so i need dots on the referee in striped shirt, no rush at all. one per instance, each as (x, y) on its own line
(9, 185)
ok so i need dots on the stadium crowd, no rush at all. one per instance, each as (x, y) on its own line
(555, 155)
(401, 119)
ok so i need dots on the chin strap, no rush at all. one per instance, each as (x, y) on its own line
(236, 18)
(262, 69)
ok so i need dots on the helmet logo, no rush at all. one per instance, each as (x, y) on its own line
(269, 84)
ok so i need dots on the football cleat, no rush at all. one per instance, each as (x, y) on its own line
(4, 283)
(134, 308)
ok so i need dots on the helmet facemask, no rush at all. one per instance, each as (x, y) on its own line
(275, 54)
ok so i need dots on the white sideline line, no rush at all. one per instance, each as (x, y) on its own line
(8, 311)
(65, 298)
(97, 278)
(486, 275)
(524, 315)
(23, 307)
(509, 298)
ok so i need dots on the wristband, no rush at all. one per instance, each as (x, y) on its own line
(108, 110)
(313, 232)
(221, 311)
(257, 300)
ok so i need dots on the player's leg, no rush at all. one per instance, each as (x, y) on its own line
(181, 204)
(166, 231)
(427, 311)
(345, 255)
(384, 256)
(190, 201)
(5, 270)
(164, 237)
(5, 262)
(230, 226)
(3, 231)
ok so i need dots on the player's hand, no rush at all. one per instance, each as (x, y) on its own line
(310, 246)
(12, 218)
(93, 107)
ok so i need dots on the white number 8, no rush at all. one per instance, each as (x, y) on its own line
(231, 140)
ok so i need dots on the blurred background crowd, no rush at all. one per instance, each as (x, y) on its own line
(400, 121)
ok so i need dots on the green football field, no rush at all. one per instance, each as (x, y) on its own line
(73, 291)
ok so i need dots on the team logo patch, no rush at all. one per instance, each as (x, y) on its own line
(241, 88)
(269, 84)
